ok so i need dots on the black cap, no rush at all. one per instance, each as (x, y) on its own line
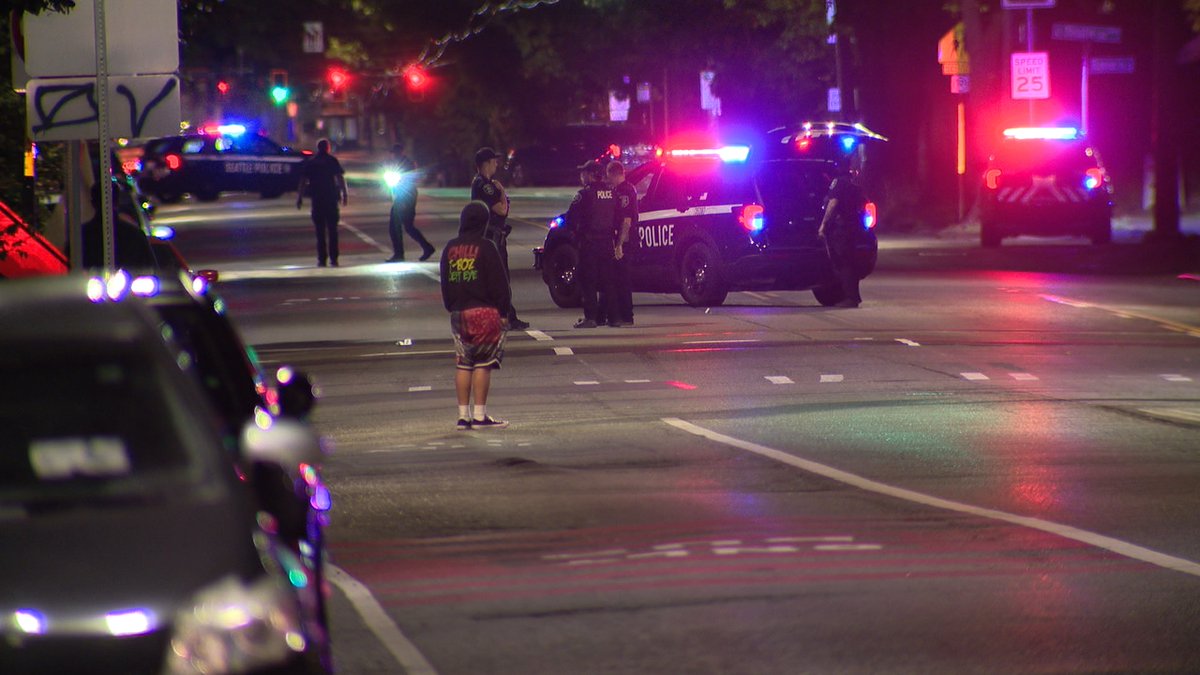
(592, 167)
(484, 154)
(474, 216)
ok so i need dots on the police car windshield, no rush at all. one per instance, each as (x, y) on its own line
(791, 185)
(1043, 155)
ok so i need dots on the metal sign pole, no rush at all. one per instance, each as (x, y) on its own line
(1029, 48)
(104, 180)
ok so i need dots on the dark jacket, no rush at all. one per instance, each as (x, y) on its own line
(592, 213)
(473, 274)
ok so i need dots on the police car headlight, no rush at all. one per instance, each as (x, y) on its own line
(234, 627)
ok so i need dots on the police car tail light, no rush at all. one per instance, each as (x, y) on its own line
(752, 217)
(1093, 178)
(804, 143)
(870, 216)
(615, 151)
(173, 162)
(1046, 133)
(990, 178)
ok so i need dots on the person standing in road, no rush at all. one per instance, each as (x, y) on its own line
(591, 217)
(476, 293)
(840, 228)
(626, 214)
(401, 176)
(323, 178)
(487, 189)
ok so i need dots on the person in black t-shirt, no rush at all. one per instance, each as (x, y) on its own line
(476, 293)
(840, 228)
(487, 189)
(323, 178)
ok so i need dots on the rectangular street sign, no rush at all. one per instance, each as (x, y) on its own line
(1081, 32)
(64, 108)
(142, 37)
(1027, 4)
(1111, 65)
(1030, 75)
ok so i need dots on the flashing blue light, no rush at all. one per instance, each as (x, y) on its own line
(1044, 133)
(232, 129)
(557, 222)
(848, 143)
(734, 153)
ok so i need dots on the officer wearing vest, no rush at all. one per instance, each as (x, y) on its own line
(590, 217)
(840, 228)
(485, 188)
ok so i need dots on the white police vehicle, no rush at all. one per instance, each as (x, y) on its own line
(1046, 181)
(714, 219)
(224, 158)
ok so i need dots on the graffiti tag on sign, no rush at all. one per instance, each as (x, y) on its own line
(65, 109)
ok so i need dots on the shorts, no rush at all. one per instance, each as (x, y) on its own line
(478, 338)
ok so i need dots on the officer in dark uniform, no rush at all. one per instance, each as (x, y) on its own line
(403, 215)
(488, 190)
(591, 216)
(841, 226)
(324, 181)
(626, 216)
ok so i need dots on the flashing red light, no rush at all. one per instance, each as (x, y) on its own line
(338, 78)
(870, 216)
(615, 151)
(173, 161)
(222, 87)
(1093, 178)
(989, 178)
(803, 143)
(751, 217)
(415, 77)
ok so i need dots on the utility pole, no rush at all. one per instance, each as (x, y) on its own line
(1164, 129)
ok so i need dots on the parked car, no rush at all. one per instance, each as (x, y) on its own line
(1045, 181)
(134, 541)
(719, 218)
(555, 158)
(225, 158)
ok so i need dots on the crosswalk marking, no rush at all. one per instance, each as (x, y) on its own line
(832, 378)
(779, 379)
(974, 376)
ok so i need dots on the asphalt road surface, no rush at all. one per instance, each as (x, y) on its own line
(991, 466)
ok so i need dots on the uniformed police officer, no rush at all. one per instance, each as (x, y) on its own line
(626, 215)
(591, 216)
(840, 227)
(488, 190)
(403, 215)
(324, 181)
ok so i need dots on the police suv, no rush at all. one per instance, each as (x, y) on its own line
(1045, 181)
(731, 218)
(225, 158)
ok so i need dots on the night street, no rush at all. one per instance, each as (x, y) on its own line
(979, 470)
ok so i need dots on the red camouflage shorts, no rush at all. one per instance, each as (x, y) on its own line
(478, 338)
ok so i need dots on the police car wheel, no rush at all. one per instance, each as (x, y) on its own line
(829, 294)
(559, 274)
(1102, 232)
(989, 235)
(700, 280)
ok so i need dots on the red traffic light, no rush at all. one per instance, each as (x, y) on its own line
(223, 87)
(415, 77)
(338, 78)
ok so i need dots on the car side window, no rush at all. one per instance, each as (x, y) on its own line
(192, 146)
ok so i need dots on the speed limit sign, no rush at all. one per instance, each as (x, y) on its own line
(1030, 75)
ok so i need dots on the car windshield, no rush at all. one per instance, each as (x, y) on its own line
(791, 186)
(82, 425)
(1044, 156)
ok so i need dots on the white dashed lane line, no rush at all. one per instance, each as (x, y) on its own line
(907, 342)
(974, 376)
(829, 378)
(1175, 377)
(1024, 377)
(563, 351)
(779, 379)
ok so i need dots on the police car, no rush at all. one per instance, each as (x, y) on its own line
(224, 158)
(1046, 181)
(715, 219)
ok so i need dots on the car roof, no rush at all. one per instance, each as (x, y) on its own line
(59, 308)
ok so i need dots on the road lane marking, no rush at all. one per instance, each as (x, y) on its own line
(538, 335)
(380, 624)
(832, 378)
(636, 381)
(974, 376)
(1175, 377)
(1191, 416)
(423, 387)
(906, 341)
(1026, 377)
(586, 383)
(716, 342)
(779, 379)
(1117, 546)
(1174, 326)
(563, 351)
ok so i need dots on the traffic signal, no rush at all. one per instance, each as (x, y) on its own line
(338, 78)
(280, 93)
(222, 87)
(416, 80)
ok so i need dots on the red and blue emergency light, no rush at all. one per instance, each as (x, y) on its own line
(1042, 133)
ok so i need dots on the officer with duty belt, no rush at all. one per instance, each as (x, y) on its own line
(590, 217)
(841, 226)
(488, 190)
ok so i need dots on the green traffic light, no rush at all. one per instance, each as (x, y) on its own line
(280, 94)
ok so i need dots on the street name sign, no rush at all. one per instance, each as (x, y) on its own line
(1027, 4)
(1111, 65)
(1081, 32)
(1030, 75)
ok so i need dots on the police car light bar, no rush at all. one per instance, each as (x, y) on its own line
(729, 153)
(1046, 133)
